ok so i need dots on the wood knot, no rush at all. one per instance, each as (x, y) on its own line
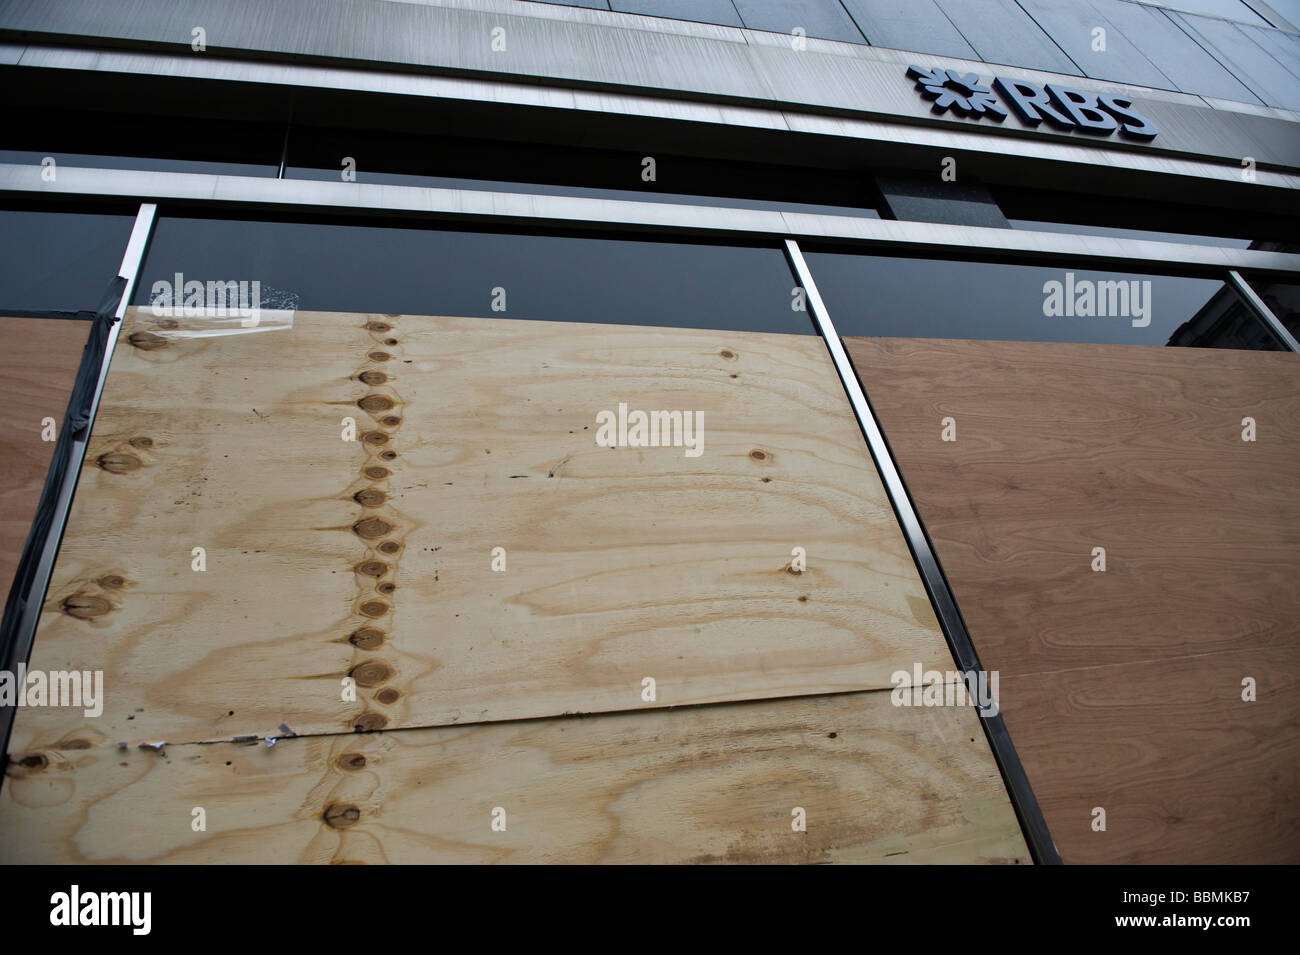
(35, 761)
(369, 722)
(378, 326)
(390, 341)
(758, 455)
(728, 354)
(371, 673)
(379, 356)
(367, 638)
(374, 608)
(146, 341)
(376, 473)
(112, 581)
(85, 606)
(388, 696)
(370, 497)
(372, 568)
(371, 528)
(350, 762)
(116, 462)
(375, 403)
(388, 455)
(341, 815)
(390, 547)
(391, 421)
(375, 437)
(387, 587)
(141, 442)
(372, 377)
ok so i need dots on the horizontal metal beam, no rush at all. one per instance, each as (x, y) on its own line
(227, 195)
(1074, 156)
(604, 52)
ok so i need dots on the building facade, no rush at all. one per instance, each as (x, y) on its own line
(770, 381)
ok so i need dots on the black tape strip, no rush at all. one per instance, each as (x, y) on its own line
(14, 648)
(82, 316)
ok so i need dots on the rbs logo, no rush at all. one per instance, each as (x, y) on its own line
(1060, 106)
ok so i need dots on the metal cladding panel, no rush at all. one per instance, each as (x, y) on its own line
(1174, 53)
(1001, 32)
(919, 25)
(702, 11)
(1071, 23)
(705, 62)
(1248, 61)
(825, 19)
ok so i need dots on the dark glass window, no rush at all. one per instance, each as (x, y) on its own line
(59, 260)
(1139, 217)
(386, 157)
(884, 296)
(367, 268)
(1282, 299)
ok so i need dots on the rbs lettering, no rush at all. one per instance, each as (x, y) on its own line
(1059, 106)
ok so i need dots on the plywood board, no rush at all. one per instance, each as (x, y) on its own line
(39, 358)
(1061, 449)
(719, 783)
(622, 563)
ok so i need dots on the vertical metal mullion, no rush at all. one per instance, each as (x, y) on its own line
(1257, 304)
(1032, 824)
(25, 630)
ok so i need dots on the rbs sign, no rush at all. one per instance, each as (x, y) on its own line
(1060, 106)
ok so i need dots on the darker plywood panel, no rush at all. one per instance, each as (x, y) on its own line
(878, 783)
(1063, 448)
(1188, 772)
(38, 365)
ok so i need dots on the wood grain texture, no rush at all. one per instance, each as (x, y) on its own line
(1120, 688)
(622, 563)
(39, 358)
(706, 784)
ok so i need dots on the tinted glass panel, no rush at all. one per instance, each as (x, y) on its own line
(427, 272)
(59, 261)
(1283, 300)
(729, 202)
(920, 298)
(374, 156)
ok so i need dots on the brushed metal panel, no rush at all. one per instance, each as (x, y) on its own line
(1248, 61)
(1071, 22)
(506, 209)
(704, 11)
(918, 26)
(1001, 32)
(747, 68)
(1173, 52)
(818, 18)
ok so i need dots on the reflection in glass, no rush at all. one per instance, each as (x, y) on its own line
(363, 268)
(885, 296)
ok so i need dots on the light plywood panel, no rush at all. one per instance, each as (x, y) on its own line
(716, 783)
(38, 365)
(1121, 689)
(622, 564)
